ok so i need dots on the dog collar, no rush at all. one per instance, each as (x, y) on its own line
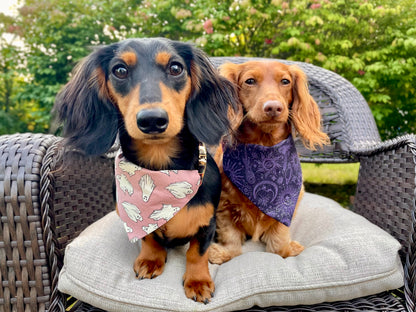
(147, 199)
(271, 177)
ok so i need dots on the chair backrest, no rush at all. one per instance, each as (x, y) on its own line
(347, 119)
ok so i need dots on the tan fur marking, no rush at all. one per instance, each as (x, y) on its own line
(196, 74)
(198, 283)
(157, 156)
(163, 58)
(130, 58)
(151, 260)
(104, 91)
(188, 220)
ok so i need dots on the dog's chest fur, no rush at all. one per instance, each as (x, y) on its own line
(245, 214)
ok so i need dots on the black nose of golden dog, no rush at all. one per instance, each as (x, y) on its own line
(152, 120)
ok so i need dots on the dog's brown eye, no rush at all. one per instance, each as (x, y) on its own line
(285, 81)
(175, 69)
(250, 81)
(120, 71)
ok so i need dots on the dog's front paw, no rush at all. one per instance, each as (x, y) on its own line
(145, 268)
(292, 249)
(199, 290)
(218, 254)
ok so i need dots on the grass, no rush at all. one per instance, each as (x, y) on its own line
(336, 181)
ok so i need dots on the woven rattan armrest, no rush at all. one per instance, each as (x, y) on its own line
(386, 195)
(24, 263)
(44, 205)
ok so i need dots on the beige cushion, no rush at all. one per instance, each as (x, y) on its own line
(345, 257)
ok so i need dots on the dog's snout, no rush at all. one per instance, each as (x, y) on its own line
(273, 108)
(152, 120)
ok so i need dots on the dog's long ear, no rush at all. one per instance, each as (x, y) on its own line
(210, 98)
(231, 72)
(305, 115)
(90, 120)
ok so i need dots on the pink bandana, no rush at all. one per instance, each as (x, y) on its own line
(147, 199)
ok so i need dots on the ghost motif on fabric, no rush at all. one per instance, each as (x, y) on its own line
(147, 199)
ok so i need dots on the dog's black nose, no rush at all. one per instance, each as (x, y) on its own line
(152, 120)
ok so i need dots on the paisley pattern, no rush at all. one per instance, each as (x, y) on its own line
(271, 177)
(147, 199)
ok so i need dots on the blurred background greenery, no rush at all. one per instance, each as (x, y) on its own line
(371, 43)
(336, 181)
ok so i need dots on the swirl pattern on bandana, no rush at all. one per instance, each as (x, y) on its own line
(271, 177)
(147, 199)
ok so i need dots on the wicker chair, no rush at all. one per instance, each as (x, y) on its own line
(45, 205)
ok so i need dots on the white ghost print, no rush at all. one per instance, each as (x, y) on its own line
(149, 229)
(134, 240)
(167, 212)
(180, 189)
(129, 167)
(125, 185)
(132, 211)
(147, 186)
(127, 228)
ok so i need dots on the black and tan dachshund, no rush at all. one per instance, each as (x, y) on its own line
(162, 98)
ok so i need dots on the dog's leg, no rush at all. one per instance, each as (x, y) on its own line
(151, 260)
(197, 280)
(277, 240)
(229, 245)
(230, 238)
(277, 237)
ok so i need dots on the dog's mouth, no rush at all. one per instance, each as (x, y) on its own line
(156, 139)
(266, 121)
(271, 124)
(272, 120)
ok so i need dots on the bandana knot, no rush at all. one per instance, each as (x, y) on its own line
(271, 177)
(147, 199)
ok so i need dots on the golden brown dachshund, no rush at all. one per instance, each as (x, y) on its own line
(274, 104)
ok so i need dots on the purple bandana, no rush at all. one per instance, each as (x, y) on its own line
(271, 177)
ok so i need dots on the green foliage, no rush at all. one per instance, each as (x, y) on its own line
(338, 174)
(361, 40)
(369, 42)
(336, 181)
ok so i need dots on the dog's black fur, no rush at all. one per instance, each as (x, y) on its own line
(89, 107)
